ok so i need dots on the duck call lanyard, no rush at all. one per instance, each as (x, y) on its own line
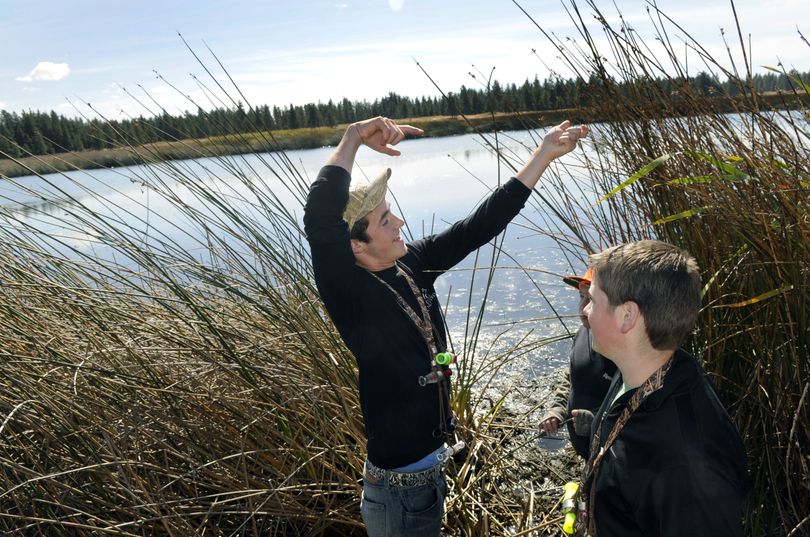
(426, 328)
(653, 383)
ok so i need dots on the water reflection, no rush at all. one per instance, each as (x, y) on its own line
(435, 182)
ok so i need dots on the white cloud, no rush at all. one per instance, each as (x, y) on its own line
(396, 5)
(46, 71)
(2, 104)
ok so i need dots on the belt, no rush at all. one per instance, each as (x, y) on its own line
(380, 476)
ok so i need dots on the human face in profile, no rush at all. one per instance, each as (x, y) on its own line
(385, 245)
(604, 321)
(584, 299)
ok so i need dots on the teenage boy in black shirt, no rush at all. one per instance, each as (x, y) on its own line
(379, 293)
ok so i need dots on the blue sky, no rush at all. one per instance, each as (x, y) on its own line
(282, 52)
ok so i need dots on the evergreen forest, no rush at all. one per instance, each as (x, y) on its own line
(42, 133)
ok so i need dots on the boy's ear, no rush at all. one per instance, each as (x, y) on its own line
(630, 316)
(358, 247)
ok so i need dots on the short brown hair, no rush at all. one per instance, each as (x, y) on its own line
(359, 230)
(661, 278)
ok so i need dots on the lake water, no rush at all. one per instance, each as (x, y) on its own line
(436, 181)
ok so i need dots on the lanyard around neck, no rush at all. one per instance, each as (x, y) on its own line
(653, 383)
(426, 328)
(425, 324)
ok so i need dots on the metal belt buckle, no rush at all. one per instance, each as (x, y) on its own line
(397, 479)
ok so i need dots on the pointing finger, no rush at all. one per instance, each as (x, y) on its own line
(415, 131)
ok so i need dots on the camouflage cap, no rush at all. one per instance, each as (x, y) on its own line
(365, 198)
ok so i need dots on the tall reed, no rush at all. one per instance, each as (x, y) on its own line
(734, 190)
(151, 388)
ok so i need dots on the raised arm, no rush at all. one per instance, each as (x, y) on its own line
(440, 252)
(557, 142)
(326, 230)
(379, 133)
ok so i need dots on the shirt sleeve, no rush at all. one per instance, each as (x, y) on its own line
(559, 407)
(438, 253)
(328, 236)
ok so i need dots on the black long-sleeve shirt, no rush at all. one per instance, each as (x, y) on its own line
(401, 417)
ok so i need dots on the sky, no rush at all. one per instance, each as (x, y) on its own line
(58, 55)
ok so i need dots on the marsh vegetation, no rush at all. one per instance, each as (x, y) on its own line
(172, 389)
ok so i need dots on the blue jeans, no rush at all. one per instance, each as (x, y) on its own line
(401, 511)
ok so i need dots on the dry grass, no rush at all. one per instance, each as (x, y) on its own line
(160, 391)
(734, 190)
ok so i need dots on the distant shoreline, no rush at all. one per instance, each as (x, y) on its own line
(310, 138)
(264, 141)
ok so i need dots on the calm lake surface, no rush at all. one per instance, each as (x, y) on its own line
(436, 181)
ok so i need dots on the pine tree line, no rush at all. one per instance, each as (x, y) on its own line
(40, 133)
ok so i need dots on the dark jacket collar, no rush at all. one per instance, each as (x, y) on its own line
(680, 375)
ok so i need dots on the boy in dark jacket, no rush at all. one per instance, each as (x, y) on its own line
(586, 380)
(666, 459)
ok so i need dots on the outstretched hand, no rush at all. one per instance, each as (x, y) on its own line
(562, 139)
(380, 133)
(549, 426)
(557, 142)
(583, 418)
